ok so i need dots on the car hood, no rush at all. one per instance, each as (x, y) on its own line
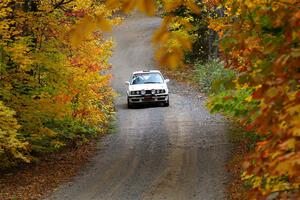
(147, 87)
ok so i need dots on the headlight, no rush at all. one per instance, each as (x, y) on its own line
(160, 91)
(135, 92)
(143, 92)
(153, 91)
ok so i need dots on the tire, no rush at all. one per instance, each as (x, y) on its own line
(129, 105)
(166, 104)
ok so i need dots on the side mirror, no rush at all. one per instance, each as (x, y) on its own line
(127, 83)
(167, 80)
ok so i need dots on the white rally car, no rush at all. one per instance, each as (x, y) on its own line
(147, 87)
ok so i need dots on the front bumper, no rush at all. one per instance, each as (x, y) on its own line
(148, 98)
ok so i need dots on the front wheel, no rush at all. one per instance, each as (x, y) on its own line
(129, 105)
(166, 104)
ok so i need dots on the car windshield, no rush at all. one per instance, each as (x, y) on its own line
(146, 78)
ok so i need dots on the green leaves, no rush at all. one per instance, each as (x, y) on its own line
(213, 78)
(235, 104)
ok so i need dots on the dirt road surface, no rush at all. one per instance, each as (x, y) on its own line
(175, 152)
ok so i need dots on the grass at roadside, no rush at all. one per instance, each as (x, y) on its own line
(203, 77)
(243, 143)
(211, 76)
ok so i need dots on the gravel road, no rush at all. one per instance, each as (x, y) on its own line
(175, 152)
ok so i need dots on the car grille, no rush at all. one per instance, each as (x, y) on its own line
(147, 92)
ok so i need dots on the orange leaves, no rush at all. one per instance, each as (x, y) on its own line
(289, 163)
(103, 24)
(217, 25)
(172, 44)
(147, 6)
(171, 5)
(46, 81)
(260, 40)
(190, 4)
(162, 34)
(96, 17)
(87, 26)
(170, 52)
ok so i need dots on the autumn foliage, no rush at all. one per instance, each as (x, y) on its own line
(51, 93)
(50, 82)
(260, 41)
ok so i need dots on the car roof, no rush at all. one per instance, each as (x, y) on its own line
(146, 71)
